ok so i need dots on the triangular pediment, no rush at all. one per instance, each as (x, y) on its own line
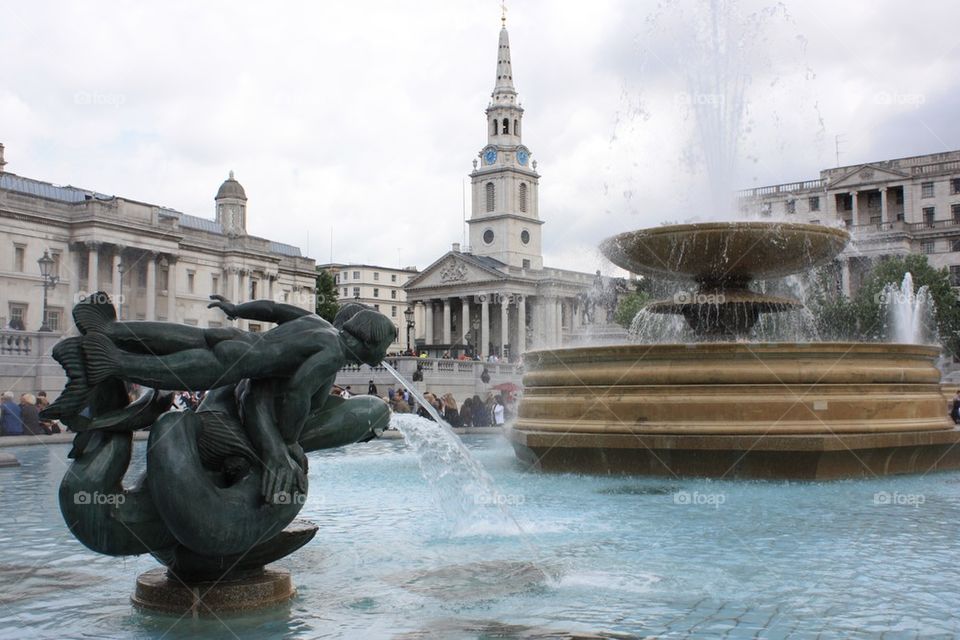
(866, 174)
(454, 269)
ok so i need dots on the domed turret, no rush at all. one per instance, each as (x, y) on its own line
(232, 207)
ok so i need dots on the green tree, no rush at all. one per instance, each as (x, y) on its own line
(628, 306)
(327, 305)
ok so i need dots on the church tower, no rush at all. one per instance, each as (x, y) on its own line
(231, 204)
(504, 222)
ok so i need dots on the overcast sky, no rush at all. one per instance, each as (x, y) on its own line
(362, 118)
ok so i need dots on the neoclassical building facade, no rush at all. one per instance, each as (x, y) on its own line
(891, 207)
(157, 263)
(495, 296)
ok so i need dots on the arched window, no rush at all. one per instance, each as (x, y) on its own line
(494, 123)
(506, 126)
(516, 127)
(523, 197)
(490, 196)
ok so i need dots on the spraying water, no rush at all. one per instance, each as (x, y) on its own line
(467, 493)
(909, 315)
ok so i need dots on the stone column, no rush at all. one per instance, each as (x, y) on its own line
(464, 318)
(558, 327)
(504, 322)
(117, 277)
(73, 262)
(446, 321)
(884, 216)
(93, 267)
(172, 289)
(521, 325)
(484, 326)
(854, 203)
(428, 321)
(151, 287)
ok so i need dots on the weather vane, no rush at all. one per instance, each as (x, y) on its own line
(503, 13)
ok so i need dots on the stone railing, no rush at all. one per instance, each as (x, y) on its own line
(460, 377)
(17, 343)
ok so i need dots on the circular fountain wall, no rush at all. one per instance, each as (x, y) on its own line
(724, 406)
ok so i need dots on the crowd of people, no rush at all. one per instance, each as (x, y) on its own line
(493, 410)
(22, 418)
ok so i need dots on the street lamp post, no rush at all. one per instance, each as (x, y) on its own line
(408, 314)
(49, 280)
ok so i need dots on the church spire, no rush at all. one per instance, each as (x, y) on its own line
(503, 90)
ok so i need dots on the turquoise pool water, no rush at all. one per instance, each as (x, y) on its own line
(622, 557)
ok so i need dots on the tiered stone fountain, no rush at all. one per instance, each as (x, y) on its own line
(725, 406)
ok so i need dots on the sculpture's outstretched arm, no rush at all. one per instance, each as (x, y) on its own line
(260, 310)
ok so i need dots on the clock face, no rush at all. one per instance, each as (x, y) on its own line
(490, 156)
(522, 157)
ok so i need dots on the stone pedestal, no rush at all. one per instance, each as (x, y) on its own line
(157, 591)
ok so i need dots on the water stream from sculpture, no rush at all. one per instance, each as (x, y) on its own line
(466, 492)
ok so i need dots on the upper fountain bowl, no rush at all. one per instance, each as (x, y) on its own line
(725, 252)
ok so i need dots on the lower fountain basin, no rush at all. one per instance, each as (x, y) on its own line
(808, 410)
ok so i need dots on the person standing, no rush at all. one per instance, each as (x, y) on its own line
(372, 389)
(955, 410)
(10, 423)
(498, 412)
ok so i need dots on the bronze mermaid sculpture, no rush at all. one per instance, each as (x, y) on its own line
(223, 484)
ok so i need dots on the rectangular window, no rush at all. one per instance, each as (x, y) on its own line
(164, 279)
(393, 311)
(376, 292)
(54, 318)
(814, 203)
(356, 292)
(791, 206)
(955, 245)
(928, 215)
(393, 277)
(926, 190)
(928, 246)
(336, 279)
(214, 284)
(142, 276)
(345, 294)
(253, 289)
(955, 275)
(214, 324)
(393, 294)
(954, 185)
(873, 199)
(376, 275)
(19, 257)
(18, 315)
(877, 220)
(344, 275)
(190, 281)
(356, 275)
(955, 212)
(286, 295)
(526, 263)
(254, 328)
(55, 267)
